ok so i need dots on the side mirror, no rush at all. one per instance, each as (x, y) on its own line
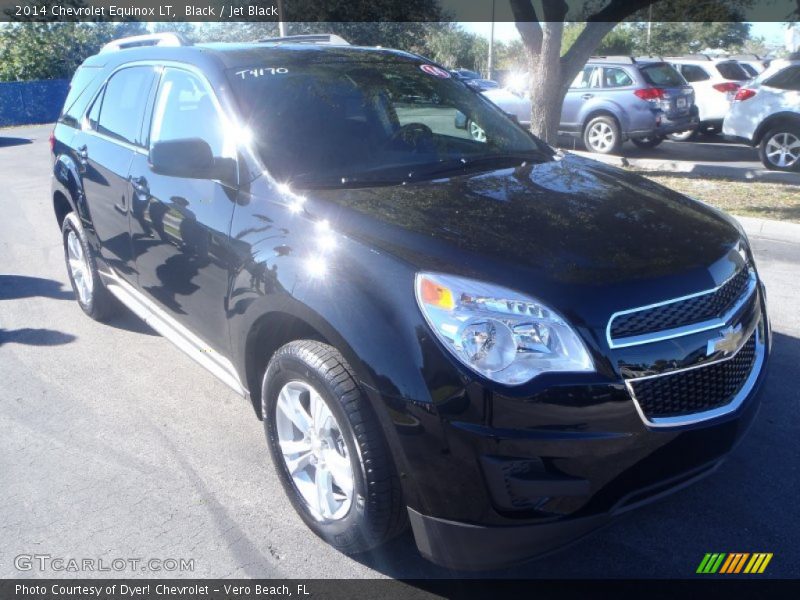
(190, 158)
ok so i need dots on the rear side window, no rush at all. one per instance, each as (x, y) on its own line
(123, 104)
(694, 73)
(614, 77)
(662, 74)
(77, 88)
(589, 77)
(732, 71)
(788, 79)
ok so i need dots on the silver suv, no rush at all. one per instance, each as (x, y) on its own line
(618, 98)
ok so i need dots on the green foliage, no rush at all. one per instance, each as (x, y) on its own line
(680, 38)
(453, 47)
(54, 50)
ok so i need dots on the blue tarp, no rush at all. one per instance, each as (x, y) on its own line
(28, 102)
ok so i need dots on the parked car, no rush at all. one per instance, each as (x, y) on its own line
(715, 83)
(617, 98)
(514, 105)
(752, 63)
(503, 345)
(766, 113)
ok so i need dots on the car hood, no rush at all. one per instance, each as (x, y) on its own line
(570, 226)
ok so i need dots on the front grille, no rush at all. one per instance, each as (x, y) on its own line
(683, 312)
(695, 390)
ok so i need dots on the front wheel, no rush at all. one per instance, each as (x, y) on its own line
(647, 142)
(328, 448)
(780, 148)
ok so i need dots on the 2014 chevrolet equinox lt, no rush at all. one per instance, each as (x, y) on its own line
(503, 345)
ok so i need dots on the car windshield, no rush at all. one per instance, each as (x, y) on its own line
(662, 74)
(349, 122)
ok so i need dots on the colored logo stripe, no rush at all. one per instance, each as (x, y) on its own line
(734, 562)
(758, 563)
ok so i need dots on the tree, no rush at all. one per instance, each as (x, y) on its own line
(38, 50)
(453, 47)
(670, 39)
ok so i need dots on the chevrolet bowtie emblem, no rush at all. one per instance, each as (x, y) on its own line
(728, 341)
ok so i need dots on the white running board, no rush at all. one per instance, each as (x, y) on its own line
(158, 319)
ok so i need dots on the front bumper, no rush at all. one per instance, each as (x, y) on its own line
(544, 470)
(620, 476)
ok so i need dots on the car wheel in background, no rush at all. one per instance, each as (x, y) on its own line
(780, 148)
(602, 135)
(476, 132)
(92, 296)
(328, 448)
(648, 142)
(683, 136)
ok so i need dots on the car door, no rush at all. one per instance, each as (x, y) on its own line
(110, 137)
(180, 225)
(581, 91)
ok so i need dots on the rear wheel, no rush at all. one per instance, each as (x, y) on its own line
(602, 135)
(780, 148)
(92, 296)
(647, 142)
(329, 449)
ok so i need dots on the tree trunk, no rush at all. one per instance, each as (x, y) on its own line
(546, 100)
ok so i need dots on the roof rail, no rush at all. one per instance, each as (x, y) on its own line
(623, 59)
(649, 58)
(311, 38)
(151, 39)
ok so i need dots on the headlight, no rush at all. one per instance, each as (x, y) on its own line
(503, 335)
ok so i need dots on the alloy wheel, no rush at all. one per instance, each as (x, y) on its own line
(783, 149)
(476, 132)
(314, 451)
(79, 268)
(601, 137)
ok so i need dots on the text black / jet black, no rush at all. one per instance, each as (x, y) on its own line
(500, 344)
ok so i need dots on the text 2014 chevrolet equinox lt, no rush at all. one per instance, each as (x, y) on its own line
(499, 344)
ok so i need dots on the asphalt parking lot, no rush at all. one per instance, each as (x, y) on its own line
(113, 444)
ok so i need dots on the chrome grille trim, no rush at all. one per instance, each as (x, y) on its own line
(667, 334)
(698, 417)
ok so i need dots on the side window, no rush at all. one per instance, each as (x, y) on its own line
(694, 73)
(614, 77)
(788, 79)
(587, 78)
(123, 104)
(184, 109)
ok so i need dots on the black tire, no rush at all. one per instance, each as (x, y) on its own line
(647, 142)
(377, 513)
(784, 133)
(99, 304)
(683, 136)
(607, 129)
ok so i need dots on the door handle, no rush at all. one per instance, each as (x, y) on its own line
(587, 96)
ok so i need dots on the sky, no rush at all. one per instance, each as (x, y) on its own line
(771, 32)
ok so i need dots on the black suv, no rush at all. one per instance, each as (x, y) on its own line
(498, 343)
